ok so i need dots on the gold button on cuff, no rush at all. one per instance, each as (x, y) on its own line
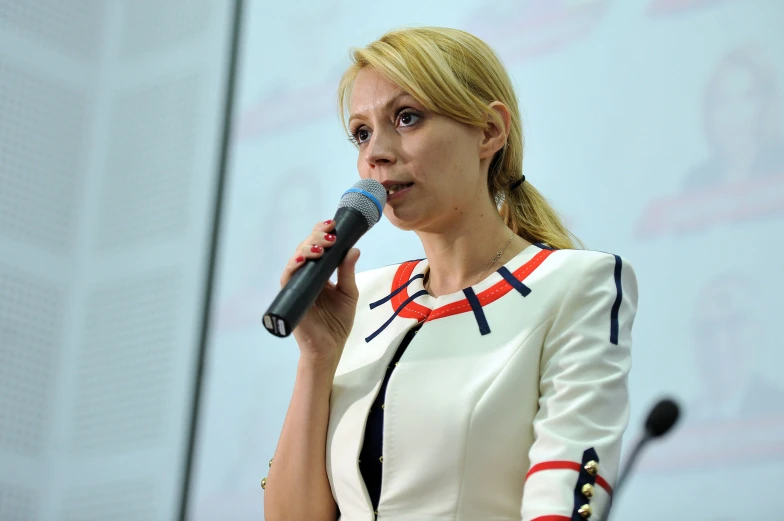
(263, 483)
(585, 511)
(592, 468)
(381, 459)
(587, 490)
(382, 405)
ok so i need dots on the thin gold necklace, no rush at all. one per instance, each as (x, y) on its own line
(481, 276)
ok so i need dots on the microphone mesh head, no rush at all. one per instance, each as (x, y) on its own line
(662, 418)
(360, 197)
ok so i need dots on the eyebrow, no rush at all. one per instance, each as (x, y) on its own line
(386, 106)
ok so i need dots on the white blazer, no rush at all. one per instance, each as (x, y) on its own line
(509, 403)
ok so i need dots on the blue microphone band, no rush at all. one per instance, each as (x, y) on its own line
(369, 196)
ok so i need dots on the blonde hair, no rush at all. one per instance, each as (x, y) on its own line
(457, 75)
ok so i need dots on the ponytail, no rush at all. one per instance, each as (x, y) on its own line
(528, 214)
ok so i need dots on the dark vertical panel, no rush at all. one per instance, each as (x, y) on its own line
(210, 275)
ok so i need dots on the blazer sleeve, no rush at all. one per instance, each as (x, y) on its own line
(583, 395)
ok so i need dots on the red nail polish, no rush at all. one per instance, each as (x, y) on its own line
(329, 237)
(328, 222)
(316, 249)
(299, 259)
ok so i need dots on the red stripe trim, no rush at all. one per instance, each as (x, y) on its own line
(553, 465)
(603, 483)
(412, 310)
(494, 292)
(491, 294)
(566, 465)
(552, 518)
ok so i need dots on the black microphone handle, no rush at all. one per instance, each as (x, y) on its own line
(298, 295)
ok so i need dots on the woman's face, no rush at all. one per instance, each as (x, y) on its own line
(437, 163)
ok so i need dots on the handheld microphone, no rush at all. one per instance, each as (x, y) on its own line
(360, 207)
(662, 417)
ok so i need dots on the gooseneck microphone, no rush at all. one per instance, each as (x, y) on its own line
(661, 419)
(359, 209)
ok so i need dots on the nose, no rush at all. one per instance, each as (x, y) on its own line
(380, 149)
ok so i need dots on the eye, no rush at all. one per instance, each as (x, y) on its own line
(407, 117)
(359, 136)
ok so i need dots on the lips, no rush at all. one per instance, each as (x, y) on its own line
(393, 189)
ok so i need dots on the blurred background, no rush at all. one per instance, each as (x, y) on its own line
(151, 192)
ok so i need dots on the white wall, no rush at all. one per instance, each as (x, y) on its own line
(110, 125)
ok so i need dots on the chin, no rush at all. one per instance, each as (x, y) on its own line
(402, 222)
(402, 225)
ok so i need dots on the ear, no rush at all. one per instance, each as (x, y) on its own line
(494, 136)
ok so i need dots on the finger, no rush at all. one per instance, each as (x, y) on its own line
(303, 252)
(322, 238)
(292, 266)
(312, 248)
(347, 282)
(324, 226)
(319, 238)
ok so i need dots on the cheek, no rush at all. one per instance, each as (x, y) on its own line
(362, 167)
(440, 161)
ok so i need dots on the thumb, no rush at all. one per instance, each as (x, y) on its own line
(346, 274)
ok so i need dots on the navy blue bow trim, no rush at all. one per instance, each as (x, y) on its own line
(543, 246)
(514, 282)
(398, 290)
(476, 307)
(397, 311)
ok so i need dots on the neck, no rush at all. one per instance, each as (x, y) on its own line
(460, 252)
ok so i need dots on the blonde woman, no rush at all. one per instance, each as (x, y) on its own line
(485, 382)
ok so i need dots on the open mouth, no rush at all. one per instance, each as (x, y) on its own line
(392, 190)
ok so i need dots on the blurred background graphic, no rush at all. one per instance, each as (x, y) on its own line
(654, 126)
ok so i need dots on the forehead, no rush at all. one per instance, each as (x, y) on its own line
(372, 91)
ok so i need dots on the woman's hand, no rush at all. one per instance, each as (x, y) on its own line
(323, 331)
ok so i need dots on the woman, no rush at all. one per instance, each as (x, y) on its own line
(485, 382)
